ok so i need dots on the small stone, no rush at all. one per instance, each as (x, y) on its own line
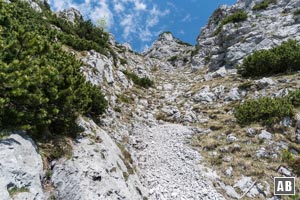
(205, 95)
(230, 191)
(231, 138)
(227, 159)
(262, 153)
(233, 95)
(228, 172)
(265, 135)
(219, 73)
(284, 171)
(251, 132)
(286, 122)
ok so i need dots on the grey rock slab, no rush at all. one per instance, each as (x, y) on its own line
(244, 184)
(20, 167)
(97, 170)
(205, 95)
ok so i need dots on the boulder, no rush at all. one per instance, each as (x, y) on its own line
(205, 95)
(21, 168)
(265, 135)
(98, 169)
(264, 82)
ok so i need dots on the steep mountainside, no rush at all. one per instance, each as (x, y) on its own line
(263, 28)
(177, 122)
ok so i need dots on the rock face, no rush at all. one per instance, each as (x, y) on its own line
(21, 168)
(97, 170)
(263, 29)
(99, 68)
(167, 48)
(71, 15)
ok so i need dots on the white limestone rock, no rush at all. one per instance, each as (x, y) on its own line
(171, 50)
(98, 68)
(205, 95)
(262, 30)
(20, 167)
(97, 170)
(71, 15)
(265, 135)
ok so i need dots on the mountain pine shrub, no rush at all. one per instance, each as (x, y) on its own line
(41, 87)
(280, 59)
(294, 97)
(143, 82)
(264, 110)
(263, 5)
(296, 12)
(239, 16)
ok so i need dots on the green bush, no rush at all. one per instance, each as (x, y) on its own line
(82, 36)
(295, 165)
(239, 16)
(172, 59)
(265, 110)
(297, 12)
(280, 59)
(292, 161)
(143, 82)
(40, 83)
(294, 97)
(263, 5)
(13, 191)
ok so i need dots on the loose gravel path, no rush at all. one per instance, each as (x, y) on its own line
(169, 167)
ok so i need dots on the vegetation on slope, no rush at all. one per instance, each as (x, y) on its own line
(234, 18)
(280, 59)
(265, 110)
(263, 5)
(143, 82)
(40, 83)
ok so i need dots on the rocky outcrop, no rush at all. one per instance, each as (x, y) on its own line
(72, 15)
(168, 48)
(262, 29)
(98, 68)
(21, 168)
(98, 169)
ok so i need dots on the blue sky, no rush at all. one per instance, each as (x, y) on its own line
(139, 22)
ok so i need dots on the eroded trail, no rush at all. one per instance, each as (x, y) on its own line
(168, 166)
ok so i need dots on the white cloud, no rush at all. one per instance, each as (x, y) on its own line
(187, 18)
(137, 19)
(181, 32)
(140, 6)
(145, 35)
(128, 25)
(119, 7)
(102, 11)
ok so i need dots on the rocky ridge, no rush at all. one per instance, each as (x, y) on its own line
(171, 50)
(262, 29)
